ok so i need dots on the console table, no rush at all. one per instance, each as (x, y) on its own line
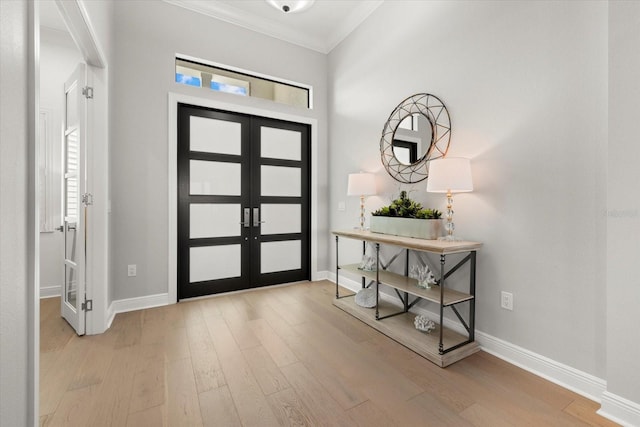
(442, 346)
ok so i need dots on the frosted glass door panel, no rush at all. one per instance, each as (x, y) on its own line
(215, 136)
(280, 256)
(214, 220)
(280, 144)
(280, 181)
(214, 262)
(214, 178)
(280, 219)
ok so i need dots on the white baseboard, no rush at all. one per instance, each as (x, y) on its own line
(132, 304)
(321, 275)
(570, 378)
(620, 410)
(580, 382)
(50, 291)
(150, 301)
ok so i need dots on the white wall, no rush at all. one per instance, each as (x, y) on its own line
(58, 58)
(623, 204)
(16, 328)
(148, 36)
(526, 87)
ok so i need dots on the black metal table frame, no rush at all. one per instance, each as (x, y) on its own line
(470, 257)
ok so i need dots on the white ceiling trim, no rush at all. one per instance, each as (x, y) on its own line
(257, 23)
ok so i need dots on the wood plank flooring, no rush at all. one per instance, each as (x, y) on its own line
(272, 357)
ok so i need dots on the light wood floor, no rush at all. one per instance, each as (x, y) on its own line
(280, 356)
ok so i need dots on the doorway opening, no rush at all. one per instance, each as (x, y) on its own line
(244, 193)
(174, 100)
(64, 42)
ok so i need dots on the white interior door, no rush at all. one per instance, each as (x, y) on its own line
(74, 187)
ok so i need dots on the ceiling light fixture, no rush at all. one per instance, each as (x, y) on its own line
(291, 6)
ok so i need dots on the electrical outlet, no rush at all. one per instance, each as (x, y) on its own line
(506, 300)
(342, 207)
(131, 270)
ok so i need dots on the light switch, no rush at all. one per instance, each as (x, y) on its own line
(342, 207)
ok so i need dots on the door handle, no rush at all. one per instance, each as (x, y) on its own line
(256, 217)
(246, 220)
(61, 228)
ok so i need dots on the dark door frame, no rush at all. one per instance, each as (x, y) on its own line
(225, 102)
(250, 238)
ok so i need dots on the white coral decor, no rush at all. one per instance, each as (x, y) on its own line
(366, 298)
(424, 324)
(424, 276)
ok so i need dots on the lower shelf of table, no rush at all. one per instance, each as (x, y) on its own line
(401, 329)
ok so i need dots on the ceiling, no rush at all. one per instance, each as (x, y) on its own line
(50, 17)
(321, 28)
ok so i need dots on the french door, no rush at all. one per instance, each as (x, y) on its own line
(243, 201)
(75, 211)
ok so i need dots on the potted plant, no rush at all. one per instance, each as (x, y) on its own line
(406, 217)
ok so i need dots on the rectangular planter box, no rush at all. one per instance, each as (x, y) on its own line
(429, 229)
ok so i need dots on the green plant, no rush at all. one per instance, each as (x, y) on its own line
(404, 207)
(429, 214)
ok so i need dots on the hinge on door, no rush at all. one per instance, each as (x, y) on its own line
(87, 91)
(87, 199)
(87, 305)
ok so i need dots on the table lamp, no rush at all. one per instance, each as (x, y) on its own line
(361, 184)
(449, 175)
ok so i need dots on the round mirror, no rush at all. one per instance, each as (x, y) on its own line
(418, 130)
(412, 139)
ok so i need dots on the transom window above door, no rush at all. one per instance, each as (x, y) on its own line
(222, 78)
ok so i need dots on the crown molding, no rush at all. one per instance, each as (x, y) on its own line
(255, 22)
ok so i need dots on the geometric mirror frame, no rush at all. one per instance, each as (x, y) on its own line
(431, 107)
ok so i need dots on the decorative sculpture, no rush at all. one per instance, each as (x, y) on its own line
(369, 261)
(424, 276)
(424, 324)
(366, 298)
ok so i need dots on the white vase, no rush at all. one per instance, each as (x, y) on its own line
(429, 229)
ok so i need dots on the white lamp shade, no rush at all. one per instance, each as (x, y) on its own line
(449, 174)
(361, 184)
